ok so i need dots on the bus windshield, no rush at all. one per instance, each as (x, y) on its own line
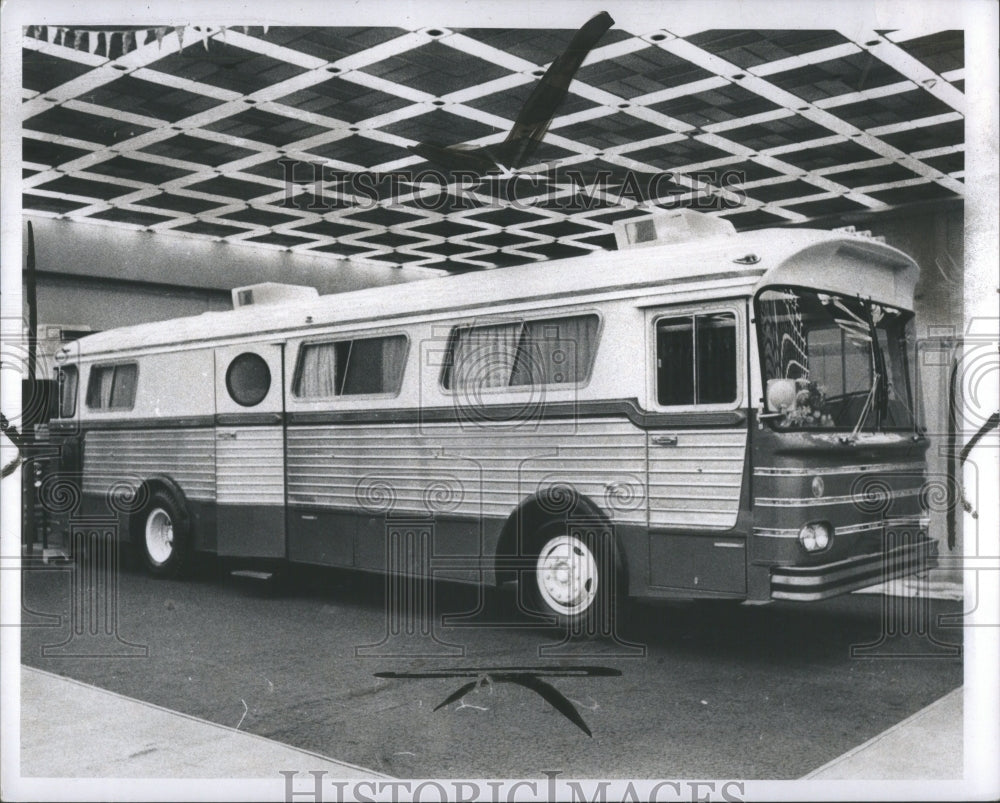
(832, 361)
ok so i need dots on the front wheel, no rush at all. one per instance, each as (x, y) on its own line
(164, 535)
(575, 579)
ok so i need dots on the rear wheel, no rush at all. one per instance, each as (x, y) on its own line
(164, 535)
(574, 579)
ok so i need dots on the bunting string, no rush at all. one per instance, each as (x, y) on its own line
(93, 40)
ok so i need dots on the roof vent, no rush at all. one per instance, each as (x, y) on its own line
(680, 226)
(859, 233)
(271, 293)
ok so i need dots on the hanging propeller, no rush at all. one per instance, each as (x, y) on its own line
(535, 117)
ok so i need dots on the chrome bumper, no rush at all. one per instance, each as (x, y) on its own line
(809, 583)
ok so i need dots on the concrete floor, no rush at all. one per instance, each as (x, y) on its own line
(73, 730)
(716, 691)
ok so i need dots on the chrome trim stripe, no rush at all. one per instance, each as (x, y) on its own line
(850, 529)
(820, 501)
(777, 471)
(873, 564)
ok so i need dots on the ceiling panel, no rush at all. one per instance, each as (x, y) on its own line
(297, 137)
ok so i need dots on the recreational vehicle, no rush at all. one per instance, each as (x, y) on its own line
(699, 414)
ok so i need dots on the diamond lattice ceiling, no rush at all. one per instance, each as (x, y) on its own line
(193, 131)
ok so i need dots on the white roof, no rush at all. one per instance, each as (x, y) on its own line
(646, 269)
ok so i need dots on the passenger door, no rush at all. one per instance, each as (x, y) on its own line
(250, 450)
(697, 447)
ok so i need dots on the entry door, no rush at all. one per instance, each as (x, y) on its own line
(696, 449)
(250, 450)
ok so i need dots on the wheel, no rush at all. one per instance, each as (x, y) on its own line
(575, 579)
(164, 535)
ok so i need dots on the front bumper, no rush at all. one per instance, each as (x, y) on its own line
(809, 583)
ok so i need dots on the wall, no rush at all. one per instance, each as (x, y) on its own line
(102, 276)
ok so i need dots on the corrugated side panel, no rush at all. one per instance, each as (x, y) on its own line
(250, 464)
(696, 483)
(443, 469)
(186, 455)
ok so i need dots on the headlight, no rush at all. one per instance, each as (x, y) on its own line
(818, 486)
(816, 536)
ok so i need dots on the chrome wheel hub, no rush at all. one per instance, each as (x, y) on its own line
(159, 536)
(567, 575)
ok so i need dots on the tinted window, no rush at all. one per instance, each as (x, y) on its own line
(551, 351)
(696, 359)
(370, 365)
(248, 379)
(112, 387)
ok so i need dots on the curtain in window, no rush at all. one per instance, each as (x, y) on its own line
(352, 367)
(393, 359)
(123, 386)
(318, 377)
(484, 356)
(102, 387)
(556, 351)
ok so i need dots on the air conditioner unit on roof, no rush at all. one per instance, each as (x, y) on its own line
(680, 226)
(271, 293)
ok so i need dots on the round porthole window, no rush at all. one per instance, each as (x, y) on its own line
(248, 379)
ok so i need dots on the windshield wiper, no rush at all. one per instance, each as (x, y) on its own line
(878, 395)
(864, 411)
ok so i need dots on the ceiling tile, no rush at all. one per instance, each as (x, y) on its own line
(436, 69)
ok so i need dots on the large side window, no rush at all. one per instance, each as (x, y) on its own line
(112, 387)
(696, 359)
(372, 365)
(67, 380)
(552, 351)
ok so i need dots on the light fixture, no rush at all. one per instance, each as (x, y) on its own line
(816, 537)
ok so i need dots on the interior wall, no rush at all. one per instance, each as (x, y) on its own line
(102, 276)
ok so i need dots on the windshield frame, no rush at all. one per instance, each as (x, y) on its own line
(872, 414)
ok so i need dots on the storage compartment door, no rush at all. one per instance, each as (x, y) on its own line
(250, 451)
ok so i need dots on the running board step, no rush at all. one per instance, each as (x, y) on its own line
(252, 574)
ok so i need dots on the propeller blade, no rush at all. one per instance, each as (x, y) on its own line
(457, 695)
(552, 696)
(535, 117)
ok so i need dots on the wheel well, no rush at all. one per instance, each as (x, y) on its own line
(536, 513)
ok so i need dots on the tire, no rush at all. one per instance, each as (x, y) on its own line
(576, 579)
(164, 535)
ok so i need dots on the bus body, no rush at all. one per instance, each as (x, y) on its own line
(727, 415)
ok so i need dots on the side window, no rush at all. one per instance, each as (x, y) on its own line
(365, 366)
(552, 351)
(248, 379)
(67, 380)
(696, 359)
(112, 387)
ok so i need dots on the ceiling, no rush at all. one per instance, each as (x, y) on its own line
(195, 131)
